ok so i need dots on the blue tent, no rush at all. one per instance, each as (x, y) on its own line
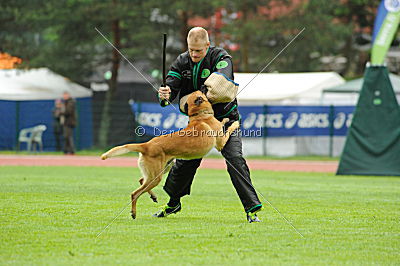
(27, 99)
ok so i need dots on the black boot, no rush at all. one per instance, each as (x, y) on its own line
(251, 214)
(167, 210)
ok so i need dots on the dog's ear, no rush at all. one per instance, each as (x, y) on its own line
(186, 108)
(198, 101)
(204, 89)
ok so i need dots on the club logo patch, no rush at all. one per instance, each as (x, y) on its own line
(205, 73)
(222, 65)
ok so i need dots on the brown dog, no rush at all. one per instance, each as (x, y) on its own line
(203, 133)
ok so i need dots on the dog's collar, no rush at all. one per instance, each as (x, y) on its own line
(203, 112)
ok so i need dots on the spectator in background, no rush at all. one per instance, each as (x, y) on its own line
(58, 122)
(69, 123)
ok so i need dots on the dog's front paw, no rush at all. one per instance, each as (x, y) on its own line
(235, 125)
(224, 121)
(104, 156)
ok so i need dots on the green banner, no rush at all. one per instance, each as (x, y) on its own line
(385, 37)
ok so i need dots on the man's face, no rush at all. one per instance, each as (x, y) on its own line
(66, 96)
(197, 50)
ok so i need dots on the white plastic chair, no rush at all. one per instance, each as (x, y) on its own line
(32, 136)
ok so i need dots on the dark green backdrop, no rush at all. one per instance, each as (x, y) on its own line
(373, 140)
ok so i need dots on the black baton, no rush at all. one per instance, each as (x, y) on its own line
(164, 77)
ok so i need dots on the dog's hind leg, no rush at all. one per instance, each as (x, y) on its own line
(134, 197)
(145, 187)
(152, 171)
(152, 195)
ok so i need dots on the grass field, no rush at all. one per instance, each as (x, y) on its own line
(51, 215)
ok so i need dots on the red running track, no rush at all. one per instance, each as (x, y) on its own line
(68, 160)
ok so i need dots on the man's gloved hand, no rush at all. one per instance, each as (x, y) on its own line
(164, 93)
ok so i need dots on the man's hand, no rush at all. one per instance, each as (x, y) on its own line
(164, 93)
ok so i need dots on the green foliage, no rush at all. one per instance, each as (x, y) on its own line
(61, 34)
(327, 30)
(51, 215)
(322, 37)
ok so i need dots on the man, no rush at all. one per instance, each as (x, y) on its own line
(69, 123)
(58, 121)
(187, 74)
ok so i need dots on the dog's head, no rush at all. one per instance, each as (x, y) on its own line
(197, 101)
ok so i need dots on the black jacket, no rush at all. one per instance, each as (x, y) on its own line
(186, 77)
(69, 113)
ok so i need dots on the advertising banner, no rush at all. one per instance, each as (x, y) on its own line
(385, 27)
(257, 121)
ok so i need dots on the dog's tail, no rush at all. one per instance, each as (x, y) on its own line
(119, 150)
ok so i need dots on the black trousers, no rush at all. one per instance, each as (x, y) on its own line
(69, 146)
(181, 175)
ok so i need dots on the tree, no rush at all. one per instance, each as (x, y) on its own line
(263, 28)
(323, 36)
(250, 29)
(358, 16)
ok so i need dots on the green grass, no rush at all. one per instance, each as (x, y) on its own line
(51, 215)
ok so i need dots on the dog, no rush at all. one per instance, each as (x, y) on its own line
(202, 133)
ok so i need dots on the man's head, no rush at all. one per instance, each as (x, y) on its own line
(66, 95)
(198, 43)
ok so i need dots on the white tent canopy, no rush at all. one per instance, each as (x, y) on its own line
(37, 84)
(349, 92)
(285, 88)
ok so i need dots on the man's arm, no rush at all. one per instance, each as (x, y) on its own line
(225, 66)
(173, 84)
